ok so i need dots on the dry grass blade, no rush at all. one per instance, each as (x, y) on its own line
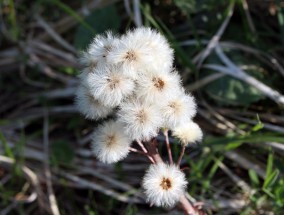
(203, 82)
(215, 39)
(239, 182)
(69, 22)
(137, 13)
(100, 188)
(248, 16)
(51, 196)
(235, 71)
(246, 162)
(30, 176)
(55, 36)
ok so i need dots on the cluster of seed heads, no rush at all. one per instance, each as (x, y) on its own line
(132, 78)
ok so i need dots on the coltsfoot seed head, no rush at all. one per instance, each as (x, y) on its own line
(155, 86)
(188, 133)
(164, 184)
(109, 85)
(178, 109)
(110, 143)
(89, 106)
(141, 120)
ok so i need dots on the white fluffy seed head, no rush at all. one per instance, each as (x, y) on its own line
(110, 86)
(155, 86)
(98, 50)
(161, 53)
(110, 144)
(178, 109)
(164, 184)
(89, 106)
(188, 133)
(88, 61)
(141, 120)
(132, 54)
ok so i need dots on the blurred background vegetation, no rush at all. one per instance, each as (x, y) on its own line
(230, 55)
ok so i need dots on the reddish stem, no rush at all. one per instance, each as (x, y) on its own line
(186, 206)
(181, 155)
(145, 151)
(166, 134)
(137, 151)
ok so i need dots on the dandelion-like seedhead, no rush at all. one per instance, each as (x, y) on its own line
(164, 184)
(110, 85)
(188, 133)
(90, 106)
(141, 120)
(98, 51)
(110, 144)
(178, 109)
(156, 85)
(160, 51)
(131, 77)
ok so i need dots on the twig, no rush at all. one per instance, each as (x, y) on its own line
(166, 134)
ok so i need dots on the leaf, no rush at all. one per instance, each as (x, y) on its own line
(253, 177)
(270, 180)
(269, 165)
(228, 90)
(233, 145)
(280, 194)
(101, 20)
(7, 149)
(258, 126)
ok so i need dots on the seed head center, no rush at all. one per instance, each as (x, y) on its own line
(93, 65)
(166, 183)
(141, 116)
(158, 83)
(130, 56)
(113, 82)
(110, 140)
(175, 106)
